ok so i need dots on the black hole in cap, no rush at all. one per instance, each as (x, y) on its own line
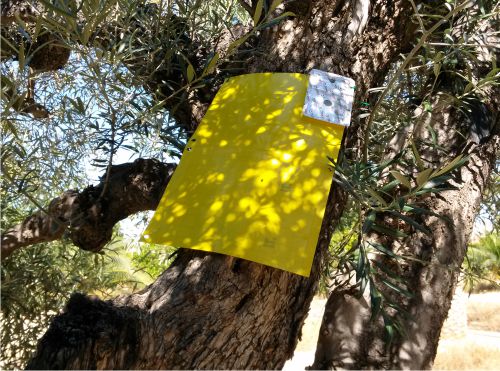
(193, 140)
(189, 148)
(327, 102)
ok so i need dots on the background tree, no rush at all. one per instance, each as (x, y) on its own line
(212, 311)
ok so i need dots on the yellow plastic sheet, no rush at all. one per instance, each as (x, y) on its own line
(254, 178)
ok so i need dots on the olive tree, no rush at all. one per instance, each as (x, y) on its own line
(416, 173)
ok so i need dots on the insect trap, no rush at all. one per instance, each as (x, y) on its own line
(254, 178)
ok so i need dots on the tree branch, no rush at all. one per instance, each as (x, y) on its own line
(87, 218)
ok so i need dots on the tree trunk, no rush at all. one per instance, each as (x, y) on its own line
(217, 312)
(349, 338)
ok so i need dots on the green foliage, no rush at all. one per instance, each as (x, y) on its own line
(99, 98)
(343, 240)
(37, 282)
(482, 264)
(153, 259)
(389, 204)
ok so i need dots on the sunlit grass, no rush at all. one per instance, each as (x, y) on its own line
(484, 314)
(467, 354)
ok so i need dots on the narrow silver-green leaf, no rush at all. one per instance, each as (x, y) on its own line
(211, 65)
(401, 178)
(418, 159)
(190, 72)
(411, 222)
(383, 249)
(276, 20)
(437, 69)
(423, 177)
(397, 288)
(449, 167)
(376, 300)
(376, 196)
(393, 232)
(236, 43)
(258, 12)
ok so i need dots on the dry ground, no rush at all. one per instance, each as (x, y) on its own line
(483, 312)
(478, 350)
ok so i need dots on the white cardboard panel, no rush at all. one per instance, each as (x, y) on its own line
(329, 97)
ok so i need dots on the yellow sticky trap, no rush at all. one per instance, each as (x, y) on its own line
(254, 178)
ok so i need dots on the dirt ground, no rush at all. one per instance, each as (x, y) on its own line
(478, 349)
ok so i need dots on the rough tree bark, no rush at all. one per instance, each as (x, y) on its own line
(349, 338)
(88, 217)
(213, 311)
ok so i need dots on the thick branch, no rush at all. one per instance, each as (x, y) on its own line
(86, 217)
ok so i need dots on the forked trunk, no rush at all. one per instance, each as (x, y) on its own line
(217, 312)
